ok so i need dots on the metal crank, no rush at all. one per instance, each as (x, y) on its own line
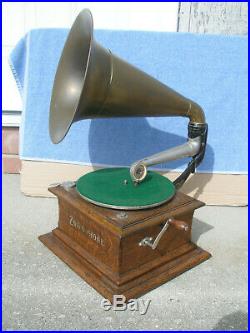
(179, 225)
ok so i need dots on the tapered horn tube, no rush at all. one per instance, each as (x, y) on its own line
(91, 82)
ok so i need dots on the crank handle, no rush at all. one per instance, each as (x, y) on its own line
(178, 224)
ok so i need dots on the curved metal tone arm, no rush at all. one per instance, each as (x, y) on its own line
(194, 147)
(191, 148)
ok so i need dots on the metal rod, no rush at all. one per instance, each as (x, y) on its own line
(138, 170)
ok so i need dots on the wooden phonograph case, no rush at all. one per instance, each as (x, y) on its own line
(125, 231)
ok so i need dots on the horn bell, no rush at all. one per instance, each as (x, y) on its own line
(77, 89)
(91, 82)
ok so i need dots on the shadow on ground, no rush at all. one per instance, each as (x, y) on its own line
(199, 228)
(236, 321)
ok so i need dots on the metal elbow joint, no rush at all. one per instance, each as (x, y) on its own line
(195, 147)
(196, 114)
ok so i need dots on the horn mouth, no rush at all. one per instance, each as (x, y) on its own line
(70, 76)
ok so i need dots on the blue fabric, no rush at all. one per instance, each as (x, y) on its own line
(210, 69)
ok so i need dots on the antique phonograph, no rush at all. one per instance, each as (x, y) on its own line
(123, 230)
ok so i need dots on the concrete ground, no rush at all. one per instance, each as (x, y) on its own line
(41, 293)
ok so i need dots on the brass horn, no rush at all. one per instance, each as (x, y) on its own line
(92, 82)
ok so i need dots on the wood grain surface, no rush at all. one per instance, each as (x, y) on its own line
(103, 245)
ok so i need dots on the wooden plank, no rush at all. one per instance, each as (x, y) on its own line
(213, 189)
(184, 16)
(214, 17)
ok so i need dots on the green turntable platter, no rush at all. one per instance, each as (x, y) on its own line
(114, 188)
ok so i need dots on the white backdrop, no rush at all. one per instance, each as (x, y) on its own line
(19, 17)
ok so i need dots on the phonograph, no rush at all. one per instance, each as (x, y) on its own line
(123, 230)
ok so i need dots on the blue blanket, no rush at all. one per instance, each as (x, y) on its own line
(210, 69)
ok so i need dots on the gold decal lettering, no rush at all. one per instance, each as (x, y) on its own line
(75, 224)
